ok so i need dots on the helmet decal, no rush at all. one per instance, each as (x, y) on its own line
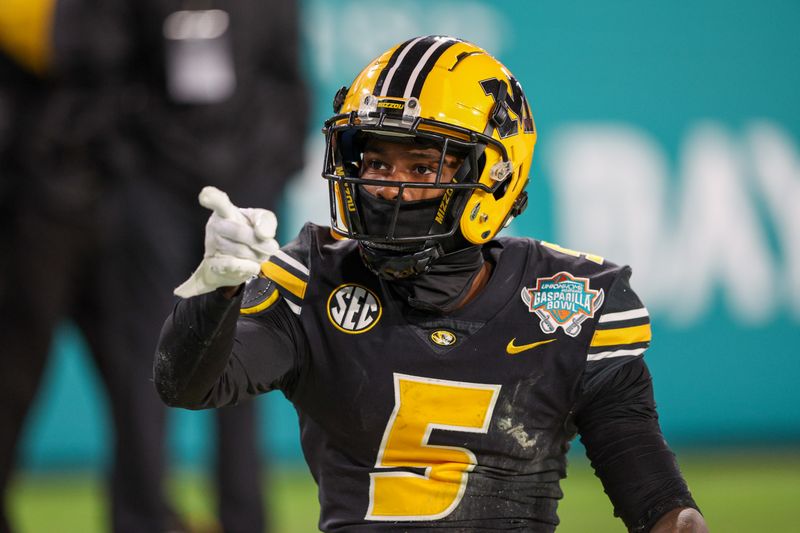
(442, 210)
(515, 102)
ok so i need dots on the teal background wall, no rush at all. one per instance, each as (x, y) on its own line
(669, 139)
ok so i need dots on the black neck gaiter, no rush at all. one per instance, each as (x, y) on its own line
(443, 284)
(442, 288)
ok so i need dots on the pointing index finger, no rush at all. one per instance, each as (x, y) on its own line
(216, 200)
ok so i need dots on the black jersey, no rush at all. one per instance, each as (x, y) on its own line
(458, 421)
(462, 421)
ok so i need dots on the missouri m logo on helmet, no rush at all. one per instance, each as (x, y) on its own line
(505, 101)
(450, 95)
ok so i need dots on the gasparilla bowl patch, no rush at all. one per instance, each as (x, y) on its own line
(562, 301)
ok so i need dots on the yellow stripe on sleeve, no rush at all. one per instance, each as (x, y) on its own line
(260, 307)
(285, 279)
(26, 31)
(619, 336)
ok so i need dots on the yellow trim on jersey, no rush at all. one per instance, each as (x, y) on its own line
(614, 337)
(575, 253)
(260, 307)
(285, 279)
(26, 31)
(337, 236)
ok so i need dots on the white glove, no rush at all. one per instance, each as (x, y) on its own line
(237, 242)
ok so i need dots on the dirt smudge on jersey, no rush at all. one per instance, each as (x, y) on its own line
(509, 421)
(517, 431)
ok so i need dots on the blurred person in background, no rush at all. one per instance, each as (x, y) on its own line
(54, 224)
(148, 100)
(17, 88)
(20, 369)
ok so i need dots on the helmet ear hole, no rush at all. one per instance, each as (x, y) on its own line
(504, 171)
(501, 191)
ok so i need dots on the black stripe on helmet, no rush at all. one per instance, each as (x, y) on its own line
(429, 64)
(389, 65)
(397, 84)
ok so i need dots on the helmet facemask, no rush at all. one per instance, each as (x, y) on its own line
(389, 229)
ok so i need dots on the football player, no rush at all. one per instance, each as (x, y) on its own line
(439, 372)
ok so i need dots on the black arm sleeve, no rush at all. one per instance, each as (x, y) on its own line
(208, 356)
(619, 428)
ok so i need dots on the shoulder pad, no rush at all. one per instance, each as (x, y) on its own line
(260, 294)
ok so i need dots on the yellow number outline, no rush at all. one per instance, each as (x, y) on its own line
(421, 406)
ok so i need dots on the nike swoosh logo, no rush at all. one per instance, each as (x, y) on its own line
(512, 349)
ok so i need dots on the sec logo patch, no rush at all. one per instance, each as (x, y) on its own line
(353, 308)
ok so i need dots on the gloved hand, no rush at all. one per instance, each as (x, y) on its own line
(237, 242)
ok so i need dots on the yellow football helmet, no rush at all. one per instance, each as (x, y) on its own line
(444, 92)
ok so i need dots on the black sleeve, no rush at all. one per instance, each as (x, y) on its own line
(209, 356)
(619, 427)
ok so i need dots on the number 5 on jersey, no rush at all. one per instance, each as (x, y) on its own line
(422, 405)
